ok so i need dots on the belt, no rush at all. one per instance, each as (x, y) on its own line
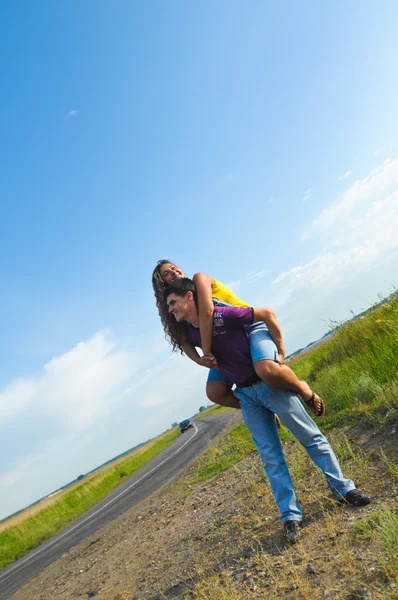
(249, 381)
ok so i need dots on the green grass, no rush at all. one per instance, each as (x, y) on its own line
(213, 410)
(355, 371)
(19, 539)
(383, 525)
(222, 455)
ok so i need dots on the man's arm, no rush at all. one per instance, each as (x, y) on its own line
(269, 317)
(193, 354)
(204, 284)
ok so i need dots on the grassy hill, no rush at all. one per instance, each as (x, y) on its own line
(345, 552)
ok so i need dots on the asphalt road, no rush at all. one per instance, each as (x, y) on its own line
(144, 482)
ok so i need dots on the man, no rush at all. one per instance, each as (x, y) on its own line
(260, 401)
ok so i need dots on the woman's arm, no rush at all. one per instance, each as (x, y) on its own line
(269, 317)
(204, 284)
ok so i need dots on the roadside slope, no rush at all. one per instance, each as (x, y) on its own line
(148, 479)
(216, 534)
(221, 538)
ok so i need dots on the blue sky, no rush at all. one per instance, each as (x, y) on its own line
(256, 143)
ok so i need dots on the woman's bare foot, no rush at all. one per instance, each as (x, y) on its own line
(312, 400)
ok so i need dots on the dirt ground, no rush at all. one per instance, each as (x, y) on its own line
(229, 528)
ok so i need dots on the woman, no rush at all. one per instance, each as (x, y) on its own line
(266, 343)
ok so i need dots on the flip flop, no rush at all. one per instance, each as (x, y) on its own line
(311, 404)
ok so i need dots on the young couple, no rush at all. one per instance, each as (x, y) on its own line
(240, 350)
(265, 338)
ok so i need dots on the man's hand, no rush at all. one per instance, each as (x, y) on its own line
(208, 360)
(281, 354)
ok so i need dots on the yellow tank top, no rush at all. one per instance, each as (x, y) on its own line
(224, 294)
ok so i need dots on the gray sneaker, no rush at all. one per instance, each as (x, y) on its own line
(292, 531)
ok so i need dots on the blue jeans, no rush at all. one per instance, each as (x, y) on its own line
(259, 403)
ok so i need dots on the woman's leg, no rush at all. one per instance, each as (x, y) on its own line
(269, 369)
(218, 390)
(219, 393)
(280, 375)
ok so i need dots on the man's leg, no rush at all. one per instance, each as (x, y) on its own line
(306, 431)
(261, 423)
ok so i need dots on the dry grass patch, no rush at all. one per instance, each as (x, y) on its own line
(344, 552)
(19, 538)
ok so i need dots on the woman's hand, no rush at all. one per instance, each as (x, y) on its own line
(208, 360)
(281, 354)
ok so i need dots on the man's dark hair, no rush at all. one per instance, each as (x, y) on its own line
(180, 287)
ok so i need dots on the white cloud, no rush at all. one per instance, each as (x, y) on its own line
(72, 113)
(252, 277)
(346, 175)
(307, 195)
(357, 199)
(16, 397)
(75, 388)
(376, 152)
(249, 278)
(97, 400)
(234, 285)
(155, 400)
(361, 227)
(376, 206)
(16, 473)
(328, 269)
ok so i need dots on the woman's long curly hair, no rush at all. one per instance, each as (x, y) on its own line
(174, 332)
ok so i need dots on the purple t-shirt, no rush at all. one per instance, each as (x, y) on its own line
(230, 343)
